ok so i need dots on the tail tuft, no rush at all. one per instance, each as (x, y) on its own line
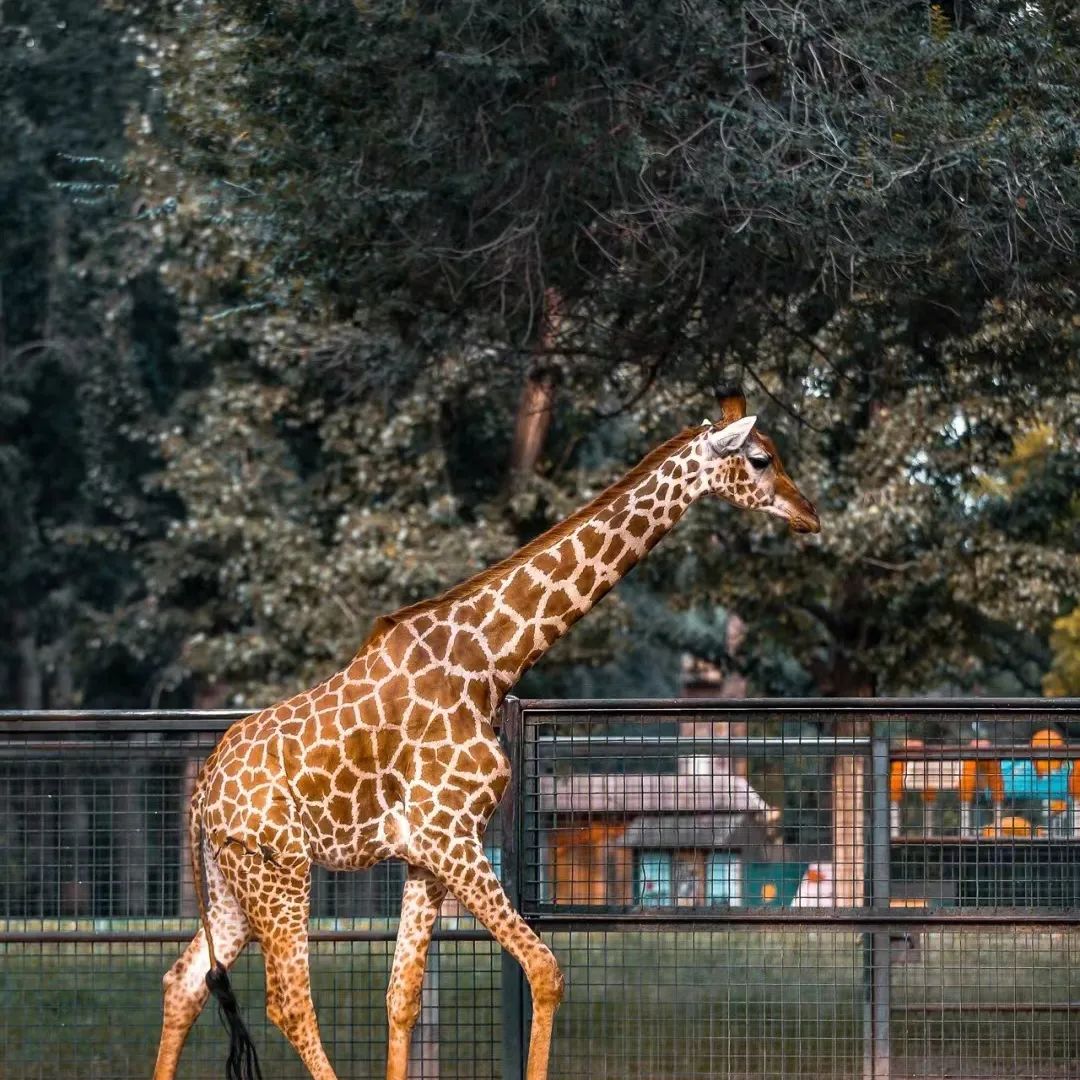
(243, 1063)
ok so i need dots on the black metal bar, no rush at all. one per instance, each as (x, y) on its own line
(850, 918)
(986, 842)
(997, 752)
(878, 946)
(638, 746)
(989, 1006)
(161, 722)
(135, 937)
(883, 706)
(514, 1030)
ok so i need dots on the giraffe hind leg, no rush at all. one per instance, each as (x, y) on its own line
(185, 988)
(281, 928)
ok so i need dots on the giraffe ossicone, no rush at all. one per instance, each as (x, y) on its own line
(396, 756)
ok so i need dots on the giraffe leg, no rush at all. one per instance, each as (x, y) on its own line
(470, 878)
(420, 905)
(288, 997)
(280, 924)
(185, 982)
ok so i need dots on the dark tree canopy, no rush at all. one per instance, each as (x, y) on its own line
(384, 290)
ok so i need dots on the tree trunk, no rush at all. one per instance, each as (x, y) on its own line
(62, 685)
(29, 693)
(59, 267)
(537, 397)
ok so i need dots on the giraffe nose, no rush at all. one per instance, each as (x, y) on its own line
(807, 520)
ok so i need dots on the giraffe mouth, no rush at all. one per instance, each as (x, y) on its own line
(805, 523)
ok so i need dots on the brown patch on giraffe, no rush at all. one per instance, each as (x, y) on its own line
(345, 780)
(626, 560)
(612, 549)
(469, 614)
(379, 668)
(522, 593)
(353, 691)
(391, 787)
(387, 744)
(365, 797)
(436, 730)
(558, 604)
(500, 633)
(312, 787)
(479, 694)
(487, 764)
(325, 756)
(361, 748)
(453, 798)
(591, 540)
(585, 580)
(546, 562)
(466, 652)
(431, 686)
(437, 640)
(638, 525)
(462, 727)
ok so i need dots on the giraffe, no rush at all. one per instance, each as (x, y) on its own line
(396, 756)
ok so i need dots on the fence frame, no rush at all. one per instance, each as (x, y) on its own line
(877, 921)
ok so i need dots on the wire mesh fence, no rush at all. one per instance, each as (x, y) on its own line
(737, 890)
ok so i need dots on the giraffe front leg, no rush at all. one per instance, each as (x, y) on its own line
(420, 904)
(469, 876)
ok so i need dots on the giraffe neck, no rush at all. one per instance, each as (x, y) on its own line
(522, 606)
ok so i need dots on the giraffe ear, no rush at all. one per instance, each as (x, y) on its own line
(729, 438)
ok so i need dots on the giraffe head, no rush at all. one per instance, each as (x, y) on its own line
(746, 470)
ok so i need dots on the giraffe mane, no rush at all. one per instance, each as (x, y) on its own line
(550, 536)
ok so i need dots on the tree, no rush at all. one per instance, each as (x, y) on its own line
(84, 342)
(1064, 675)
(869, 224)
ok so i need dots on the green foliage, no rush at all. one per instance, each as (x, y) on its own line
(304, 309)
(1063, 678)
(429, 169)
(84, 337)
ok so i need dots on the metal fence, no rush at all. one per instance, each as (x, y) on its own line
(827, 889)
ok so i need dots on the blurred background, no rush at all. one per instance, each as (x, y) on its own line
(310, 310)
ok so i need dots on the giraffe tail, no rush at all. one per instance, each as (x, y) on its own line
(242, 1062)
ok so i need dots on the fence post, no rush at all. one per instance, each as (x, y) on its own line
(514, 998)
(877, 950)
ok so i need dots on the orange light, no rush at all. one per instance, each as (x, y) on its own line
(1015, 826)
(1047, 739)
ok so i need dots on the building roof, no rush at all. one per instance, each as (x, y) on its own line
(693, 831)
(703, 785)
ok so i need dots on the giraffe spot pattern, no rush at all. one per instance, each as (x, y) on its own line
(396, 756)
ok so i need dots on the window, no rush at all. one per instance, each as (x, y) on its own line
(493, 854)
(723, 880)
(653, 885)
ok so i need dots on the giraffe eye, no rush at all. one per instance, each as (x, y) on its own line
(759, 461)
